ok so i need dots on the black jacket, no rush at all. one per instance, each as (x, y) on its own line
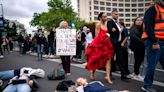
(114, 36)
(40, 38)
(20, 39)
(51, 36)
(149, 20)
(1, 38)
(135, 37)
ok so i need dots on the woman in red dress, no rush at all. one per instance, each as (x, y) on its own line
(100, 51)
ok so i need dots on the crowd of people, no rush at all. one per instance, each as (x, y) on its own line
(108, 50)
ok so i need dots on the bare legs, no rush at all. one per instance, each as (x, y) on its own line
(92, 74)
(108, 69)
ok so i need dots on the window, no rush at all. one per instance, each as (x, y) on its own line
(121, 10)
(121, 15)
(140, 15)
(108, 9)
(134, 5)
(102, 8)
(90, 8)
(127, 0)
(96, 13)
(147, 4)
(108, 14)
(95, 18)
(96, 2)
(102, 3)
(128, 25)
(127, 15)
(134, 10)
(114, 4)
(127, 20)
(108, 4)
(96, 7)
(90, 13)
(134, 15)
(121, 5)
(89, 2)
(114, 8)
(121, 20)
(140, 5)
(127, 5)
(127, 10)
(141, 10)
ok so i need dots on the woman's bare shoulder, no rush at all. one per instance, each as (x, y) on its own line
(98, 24)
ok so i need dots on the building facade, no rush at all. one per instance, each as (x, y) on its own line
(88, 10)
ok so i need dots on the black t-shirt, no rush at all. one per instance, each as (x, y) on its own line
(83, 35)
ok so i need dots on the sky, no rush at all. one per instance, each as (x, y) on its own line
(22, 10)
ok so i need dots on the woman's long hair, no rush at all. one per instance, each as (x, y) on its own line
(134, 22)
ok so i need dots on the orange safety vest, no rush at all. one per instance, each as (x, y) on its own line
(159, 23)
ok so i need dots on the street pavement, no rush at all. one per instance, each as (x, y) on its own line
(14, 60)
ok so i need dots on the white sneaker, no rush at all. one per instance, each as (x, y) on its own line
(1, 56)
(138, 77)
(68, 74)
(51, 56)
(131, 75)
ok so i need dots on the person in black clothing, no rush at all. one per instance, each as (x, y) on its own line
(20, 43)
(115, 36)
(137, 46)
(10, 37)
(40, 38)
(51, 37)
(124, 45)
(1, 52)
(83, 40)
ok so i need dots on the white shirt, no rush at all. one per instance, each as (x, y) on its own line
(119, 28)
(89, 38)
(37, 72)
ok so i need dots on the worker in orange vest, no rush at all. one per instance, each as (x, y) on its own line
(154, 28)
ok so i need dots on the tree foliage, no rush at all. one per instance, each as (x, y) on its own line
(58, 10)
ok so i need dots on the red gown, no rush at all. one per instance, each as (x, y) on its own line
(99, 51)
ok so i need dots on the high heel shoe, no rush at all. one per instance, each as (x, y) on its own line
(92, 76)
(108, 80)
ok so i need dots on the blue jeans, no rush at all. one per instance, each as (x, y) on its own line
(7, 74)
(51, 48)
(40, 48)
(18, 88)
(153, 56)
(21, 45)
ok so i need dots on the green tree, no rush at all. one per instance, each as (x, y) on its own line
(58, 10)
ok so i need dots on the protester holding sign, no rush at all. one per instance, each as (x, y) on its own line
(64, 45)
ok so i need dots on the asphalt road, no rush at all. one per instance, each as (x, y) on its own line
(14, 60)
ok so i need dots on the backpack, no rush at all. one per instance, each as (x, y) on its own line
(68, 86)
(56, 74)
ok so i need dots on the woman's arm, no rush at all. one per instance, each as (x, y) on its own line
(124, 41)
(97, 29)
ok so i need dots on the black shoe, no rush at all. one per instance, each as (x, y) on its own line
(125, 78)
